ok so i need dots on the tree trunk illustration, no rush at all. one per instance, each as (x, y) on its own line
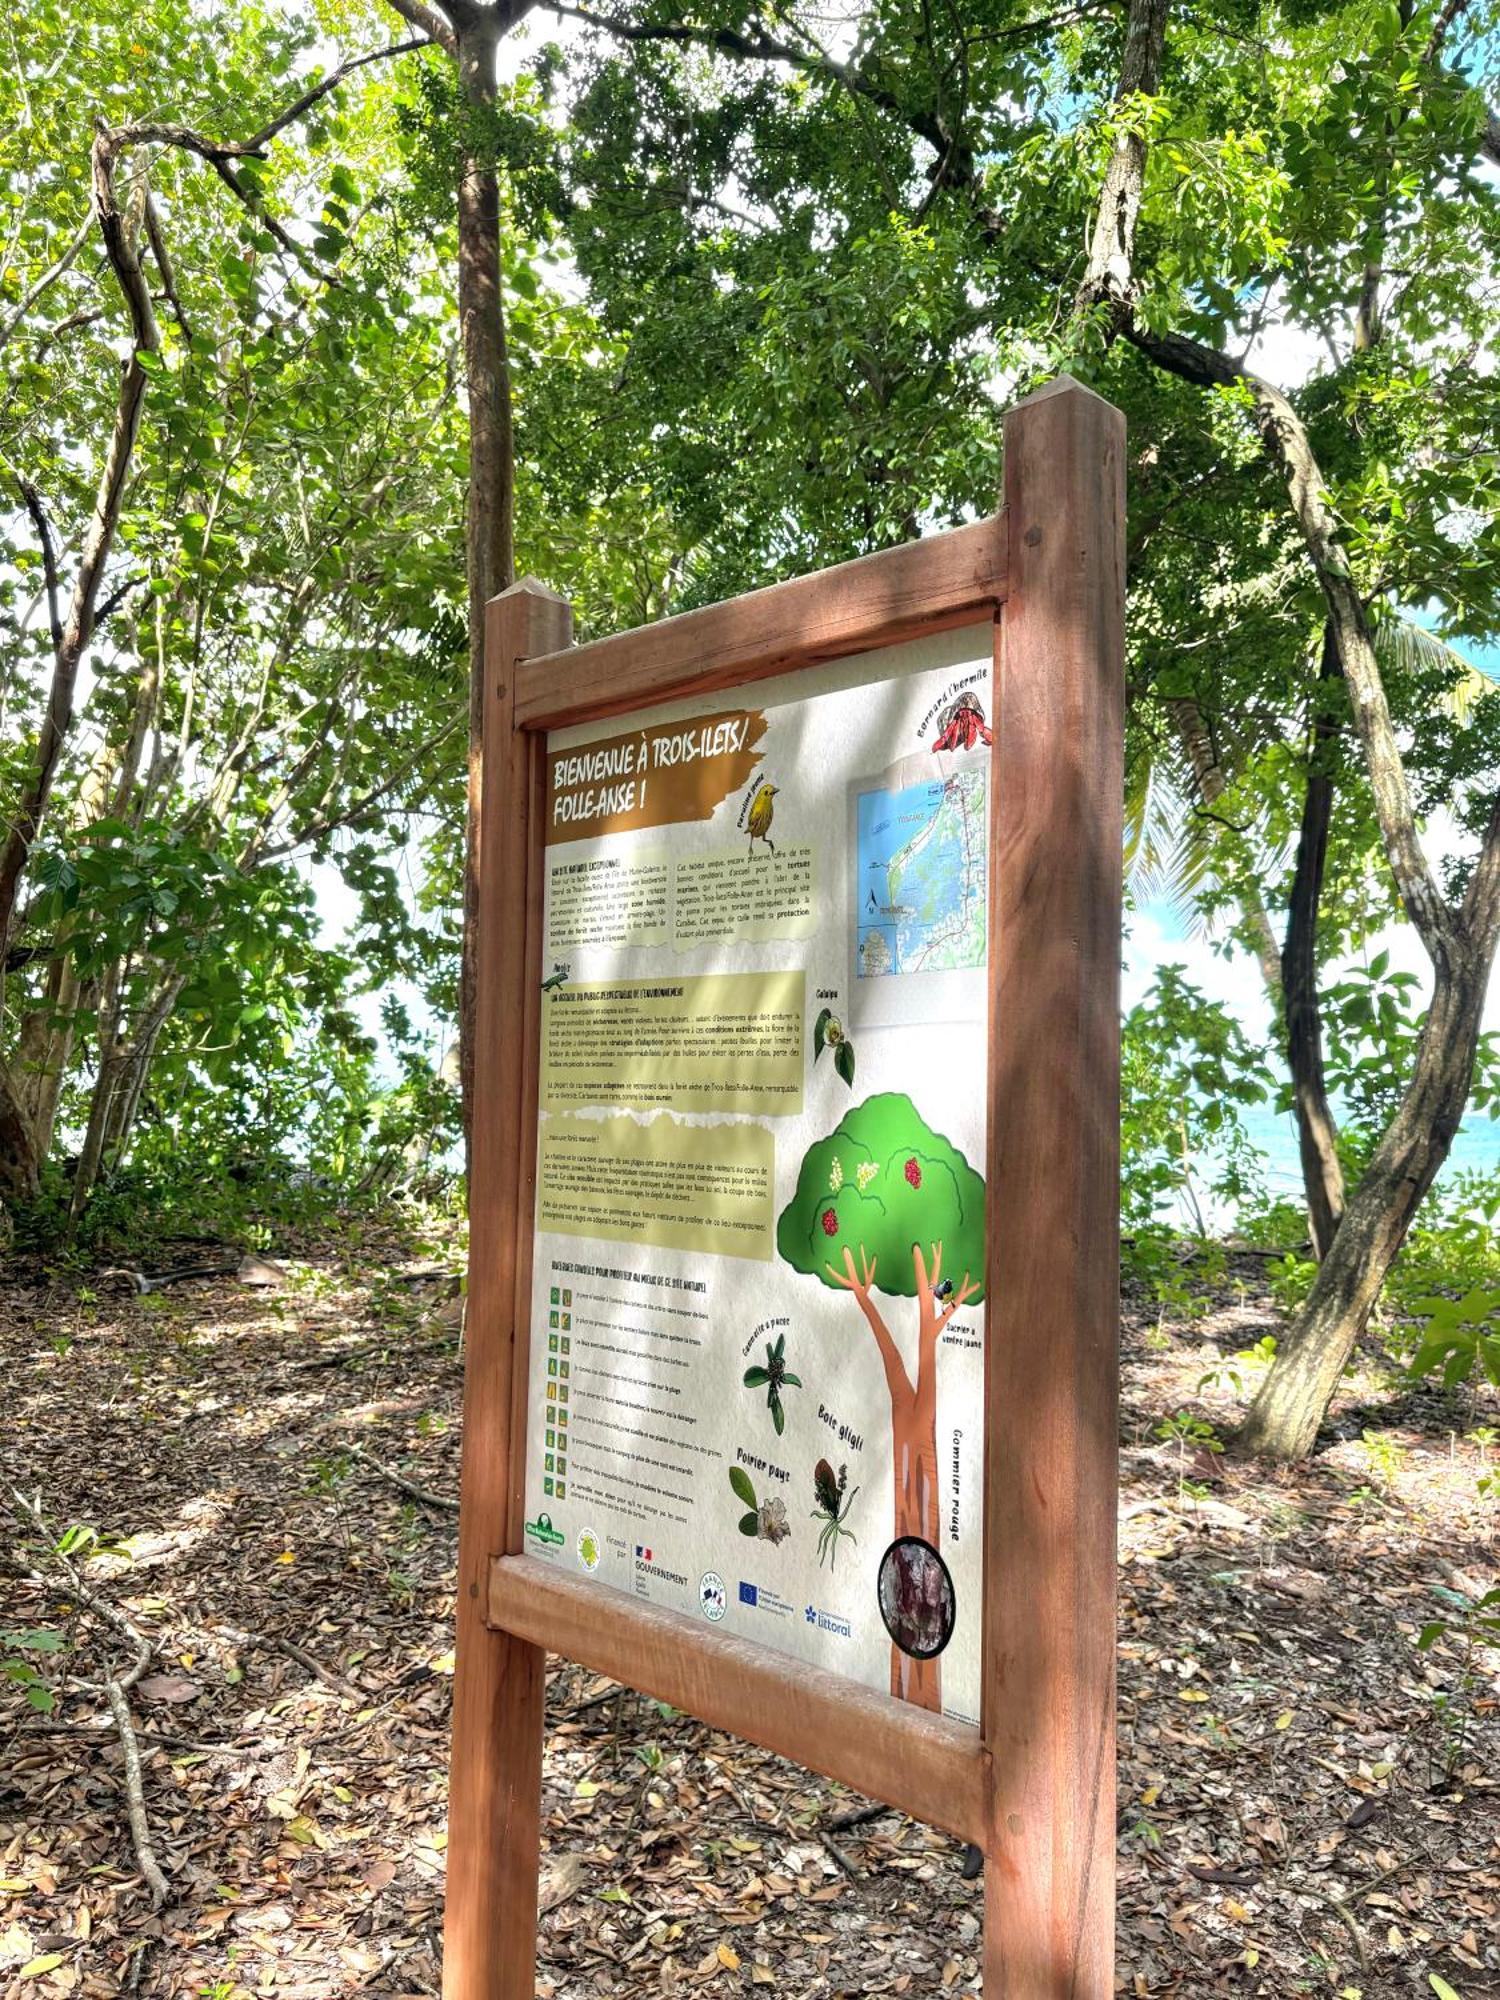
(913, 1434)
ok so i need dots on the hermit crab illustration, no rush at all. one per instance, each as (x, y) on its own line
(961, 725)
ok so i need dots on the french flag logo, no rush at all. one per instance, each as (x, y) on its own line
(642, 1555)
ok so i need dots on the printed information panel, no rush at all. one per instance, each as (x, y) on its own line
(758, 1321)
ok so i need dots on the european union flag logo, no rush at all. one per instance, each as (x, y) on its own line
(749, 1594)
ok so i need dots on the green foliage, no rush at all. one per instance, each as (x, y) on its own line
(744, 1492)
(1188, 1075)
(773, 1378)
(17, 1668)
(880, 1183)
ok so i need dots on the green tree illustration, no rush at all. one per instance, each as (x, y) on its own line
(883, 1204)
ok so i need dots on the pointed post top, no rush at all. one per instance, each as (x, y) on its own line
(528, 586)
(1060, 385)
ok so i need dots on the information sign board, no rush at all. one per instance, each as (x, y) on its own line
(757, 1330)
(791, 1375)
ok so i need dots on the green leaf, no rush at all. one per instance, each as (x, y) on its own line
(1441, 1987)
(756, 1378)
(778, 1415)
(750, 1524)
(791, 1381)
(739, 1479)
(37, 1642)
(843, 1062)
(820, 1032)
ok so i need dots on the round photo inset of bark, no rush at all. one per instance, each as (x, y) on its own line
(916, 1597)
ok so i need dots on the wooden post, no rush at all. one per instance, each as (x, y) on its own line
(494, 1803)
(1053, 1292)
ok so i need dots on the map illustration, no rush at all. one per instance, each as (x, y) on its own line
(920, 892)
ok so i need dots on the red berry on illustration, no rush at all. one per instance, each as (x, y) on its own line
(830, 1223)
(914, 1173)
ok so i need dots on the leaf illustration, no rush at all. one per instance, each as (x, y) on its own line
(791, 1381)
(756, 1378)
(739, 1479)
(778, 1415)
(820, 1031)
(843, 1062)
(750, 1524)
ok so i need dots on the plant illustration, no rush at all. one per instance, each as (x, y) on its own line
(832, 1510)
(828, 1032)
(766, 1521)
(773, 1378)
(881, 1203)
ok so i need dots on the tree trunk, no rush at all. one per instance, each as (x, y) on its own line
(1285, 1416)
(914, 1456)
(1317, 1132)
(123, 1069)
(20, 1163)
(44, 1048)
(489, 528)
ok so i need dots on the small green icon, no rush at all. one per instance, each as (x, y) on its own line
(562, 1491)
(547, 1488)
(565, 1366)
(567, 1346)
(567, 1319)
(562, 1418)
(554, 1295)
(548, 1464)
(567, 1298)
(552, 1319)
(551, 1367)
(551, 1438)
(552, 1343)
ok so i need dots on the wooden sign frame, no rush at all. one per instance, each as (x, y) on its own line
(1033, 1785)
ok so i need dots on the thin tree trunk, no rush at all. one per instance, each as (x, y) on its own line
(72, 635)
(123, 1068)
(1317, 1132)
(19, 1162)
(489, 529)
(1285, 1417)
(44, 1048)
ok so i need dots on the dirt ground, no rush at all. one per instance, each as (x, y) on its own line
(1309, 1802)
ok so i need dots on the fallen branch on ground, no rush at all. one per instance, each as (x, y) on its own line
(403, 1484)
(114, 1689)
(272, 1642)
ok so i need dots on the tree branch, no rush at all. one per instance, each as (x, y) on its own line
(53, 272)
(1286, 442)
(897, 1379)
(431, 23)
(49, 560)
(1109, 277)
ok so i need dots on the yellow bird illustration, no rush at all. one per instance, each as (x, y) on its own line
(761, 814)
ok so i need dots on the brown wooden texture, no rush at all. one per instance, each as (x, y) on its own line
(1053, 1290)
(888, 1750)
(494, 1804)
(878, 600)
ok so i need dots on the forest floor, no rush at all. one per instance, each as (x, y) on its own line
(1309, 1802)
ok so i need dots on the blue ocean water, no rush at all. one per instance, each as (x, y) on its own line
(1475, 1150)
